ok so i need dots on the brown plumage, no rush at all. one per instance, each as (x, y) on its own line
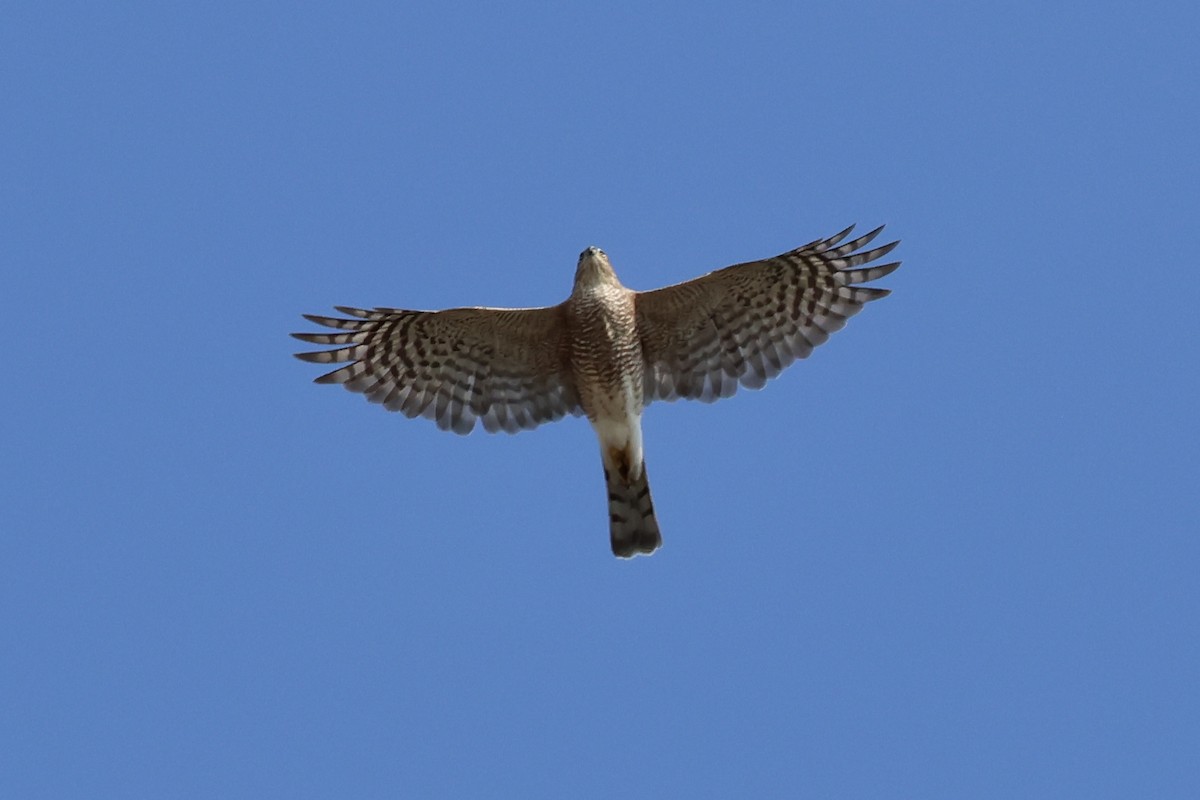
(605, 352)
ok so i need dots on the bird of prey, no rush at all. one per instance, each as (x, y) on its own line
(605, 352)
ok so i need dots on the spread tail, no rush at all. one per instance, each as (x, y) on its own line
(631, 512)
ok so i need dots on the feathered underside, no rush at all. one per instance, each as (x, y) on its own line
(505, 367)
(745, 323)
(512, 369)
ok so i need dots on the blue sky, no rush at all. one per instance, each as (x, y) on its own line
(953, 554)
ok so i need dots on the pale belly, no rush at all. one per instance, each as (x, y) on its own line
(608, 373)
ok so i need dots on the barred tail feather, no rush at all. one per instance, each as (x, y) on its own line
(634, 528)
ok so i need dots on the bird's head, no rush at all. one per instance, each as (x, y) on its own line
(593, 267)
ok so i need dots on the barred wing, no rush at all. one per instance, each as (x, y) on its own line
(505, 367)
(745, 323)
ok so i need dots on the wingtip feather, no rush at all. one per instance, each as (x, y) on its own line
(839, 236)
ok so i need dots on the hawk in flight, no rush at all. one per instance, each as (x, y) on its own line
(606, 351)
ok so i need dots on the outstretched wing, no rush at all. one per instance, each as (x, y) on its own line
(745, 323)
(506, 367)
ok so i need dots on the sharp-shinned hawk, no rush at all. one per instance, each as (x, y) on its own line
(606, 351)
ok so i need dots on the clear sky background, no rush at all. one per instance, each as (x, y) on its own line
(953, 554)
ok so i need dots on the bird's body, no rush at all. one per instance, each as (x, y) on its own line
(607, 364)
(605, 352)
